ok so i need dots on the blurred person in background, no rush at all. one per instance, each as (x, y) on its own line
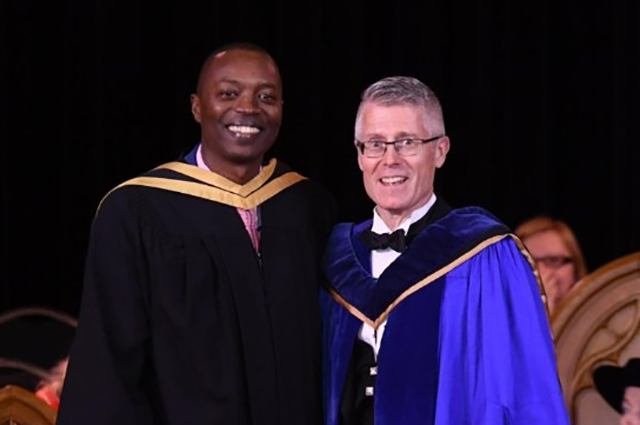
(557, 254)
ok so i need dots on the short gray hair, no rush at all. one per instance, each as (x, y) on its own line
(401, 90)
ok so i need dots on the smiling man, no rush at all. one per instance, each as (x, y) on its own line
(431, 315)
(200, 301)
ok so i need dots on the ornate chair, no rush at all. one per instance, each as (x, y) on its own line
(598, 323)
(32, 340)
(21, 407)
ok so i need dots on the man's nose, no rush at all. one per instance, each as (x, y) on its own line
(247, 104)
(391, 155)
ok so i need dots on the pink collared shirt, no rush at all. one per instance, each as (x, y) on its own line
(249, 217)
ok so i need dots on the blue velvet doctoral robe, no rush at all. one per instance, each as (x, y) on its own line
(467, 339)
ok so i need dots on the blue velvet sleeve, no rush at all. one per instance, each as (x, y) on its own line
(497, 357)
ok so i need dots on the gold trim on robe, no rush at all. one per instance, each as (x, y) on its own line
(213, 187)
(375, 323)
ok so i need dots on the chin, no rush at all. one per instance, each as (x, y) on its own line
(393, 209)
(243, 157)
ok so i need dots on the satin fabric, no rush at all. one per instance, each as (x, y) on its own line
(472, 347)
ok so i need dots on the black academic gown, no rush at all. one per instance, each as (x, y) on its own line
(182, 323)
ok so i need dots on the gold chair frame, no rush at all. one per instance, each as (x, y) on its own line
(598, 323)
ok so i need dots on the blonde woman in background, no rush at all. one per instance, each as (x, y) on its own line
(557, 254)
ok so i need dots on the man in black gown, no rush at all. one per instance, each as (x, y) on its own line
(200, 295)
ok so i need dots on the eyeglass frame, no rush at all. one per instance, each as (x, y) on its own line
(554, 261)
(360, 146)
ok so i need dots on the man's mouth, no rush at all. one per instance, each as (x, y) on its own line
(392, 181)
(243, 131)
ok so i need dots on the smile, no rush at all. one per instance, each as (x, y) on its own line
(392, 181)
(243, 130)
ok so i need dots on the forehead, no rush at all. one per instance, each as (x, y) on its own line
(391, 120)
(241, 66)
(547, 242)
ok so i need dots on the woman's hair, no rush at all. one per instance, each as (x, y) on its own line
(542, 224)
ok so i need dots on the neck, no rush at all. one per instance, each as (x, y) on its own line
(237, 173)
(393, 221)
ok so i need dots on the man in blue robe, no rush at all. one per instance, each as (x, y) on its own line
(430, 315)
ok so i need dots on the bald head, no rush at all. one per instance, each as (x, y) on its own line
(223, 50)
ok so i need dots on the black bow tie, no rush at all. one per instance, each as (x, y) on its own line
(395, 240)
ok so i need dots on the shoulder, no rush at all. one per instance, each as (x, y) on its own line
(483, 228)
(503, 255)
(462, 230)
(307, 188)
(346, 230)
(139, 184)
(476, 217)
(120, 196)
(342, 229)
(131, 195)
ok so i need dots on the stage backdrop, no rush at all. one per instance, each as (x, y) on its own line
(540, 101)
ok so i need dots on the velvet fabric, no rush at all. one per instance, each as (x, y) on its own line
(471, 347)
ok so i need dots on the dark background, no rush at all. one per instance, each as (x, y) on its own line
(541, 101)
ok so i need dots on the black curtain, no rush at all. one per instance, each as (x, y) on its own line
(540, 101)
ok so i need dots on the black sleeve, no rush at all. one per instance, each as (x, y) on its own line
(103, 382)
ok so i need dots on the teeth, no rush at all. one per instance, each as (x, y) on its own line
(244, 129)
(392, 180)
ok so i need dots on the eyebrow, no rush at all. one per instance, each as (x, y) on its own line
(397, 136)
(404, 134)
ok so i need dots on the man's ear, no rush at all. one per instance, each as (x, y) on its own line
(442, 149)
(195, 107)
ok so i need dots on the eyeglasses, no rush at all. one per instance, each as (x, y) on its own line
(553, 261)
(404, 147)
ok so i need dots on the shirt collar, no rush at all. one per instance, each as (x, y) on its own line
(379, 225)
